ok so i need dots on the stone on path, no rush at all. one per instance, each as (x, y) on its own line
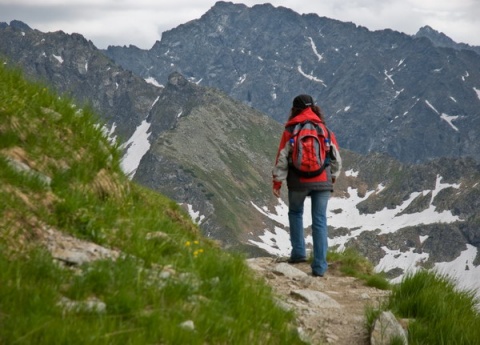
(288, 271)
(386, 328)
(316, 299)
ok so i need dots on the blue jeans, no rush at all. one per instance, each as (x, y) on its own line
(319, 227)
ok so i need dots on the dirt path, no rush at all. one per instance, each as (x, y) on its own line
(330, 309)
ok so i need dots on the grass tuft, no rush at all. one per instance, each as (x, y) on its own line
(442, 314)
(351, 263)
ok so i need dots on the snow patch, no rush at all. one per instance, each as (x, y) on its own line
(195, 215)
(351, 172)
(241, 79)
(397, 93)
(311, 77)
(314, 48)
(431, 106)
(447, 118)
(59, 58)
(136, 146)
(389, 77)
(154, 102)
(275, 243)
(153, 81)
(423, 238)
(477, 92)
(109, 133)
(407, 261)
(462, 270)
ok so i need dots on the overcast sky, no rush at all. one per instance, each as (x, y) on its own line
(141, 22)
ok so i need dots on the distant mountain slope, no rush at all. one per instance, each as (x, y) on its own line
(217, 158)
(382, 91)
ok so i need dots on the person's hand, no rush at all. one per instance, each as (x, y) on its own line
(276, 192)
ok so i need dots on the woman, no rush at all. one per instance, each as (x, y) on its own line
(317, 187)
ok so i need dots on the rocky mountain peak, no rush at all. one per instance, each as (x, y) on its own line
(441, 40)
(19, 25)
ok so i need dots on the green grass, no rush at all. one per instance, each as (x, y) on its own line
(436, 310)
(351, 263)
(156, 285)
(442, 314)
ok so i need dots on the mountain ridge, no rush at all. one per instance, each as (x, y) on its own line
(381, 91)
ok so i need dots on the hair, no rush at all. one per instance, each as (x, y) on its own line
(315, 108)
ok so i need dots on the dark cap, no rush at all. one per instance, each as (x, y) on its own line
(303, 101)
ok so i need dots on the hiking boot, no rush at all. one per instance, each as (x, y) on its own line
(297, 261)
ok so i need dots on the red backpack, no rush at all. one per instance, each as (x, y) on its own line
(310, 149)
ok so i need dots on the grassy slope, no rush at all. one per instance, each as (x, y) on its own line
(234, 172)
(73, 183)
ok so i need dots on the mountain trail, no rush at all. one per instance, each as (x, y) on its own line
(329, 309)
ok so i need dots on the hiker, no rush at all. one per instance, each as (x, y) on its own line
(318, 183)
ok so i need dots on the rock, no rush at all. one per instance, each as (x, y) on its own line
(316, 298)
(157, 235)
(303, 335)
(90, 305)
(74, 251)
(188, 325)
(24, 168)
(386, 328)
(253, 265)
(288, 271)
(71, 257)
(365, 296)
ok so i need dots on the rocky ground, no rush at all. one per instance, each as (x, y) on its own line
(330, 309)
